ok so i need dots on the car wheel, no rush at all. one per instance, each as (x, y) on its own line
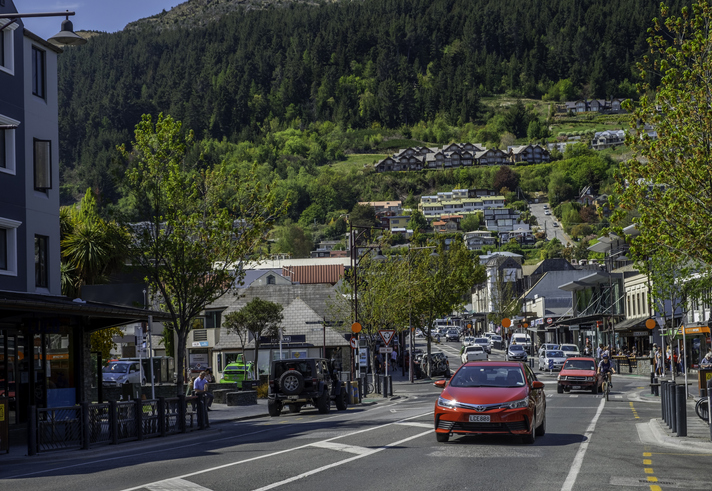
(442, 437)
(294, 408)
(559, 389)
(324, 403)
(274, 408)
(291, 382)
(342, 400)
(530, 437)
(541, 429)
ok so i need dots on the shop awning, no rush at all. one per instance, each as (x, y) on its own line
(627, 324)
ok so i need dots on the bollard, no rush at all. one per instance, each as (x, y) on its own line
(32, 431)
(361, 387)
(663, 403)
(114, 422)
(656, 387)
(681, 400)
(672, 406)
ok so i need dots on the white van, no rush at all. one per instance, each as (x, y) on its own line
(521, 339)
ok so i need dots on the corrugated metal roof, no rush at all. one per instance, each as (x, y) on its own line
(326, 273)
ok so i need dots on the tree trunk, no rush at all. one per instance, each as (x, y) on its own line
(257, 358)
(181, 365)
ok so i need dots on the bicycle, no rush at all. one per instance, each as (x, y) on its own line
(606, 386)
(702, 409)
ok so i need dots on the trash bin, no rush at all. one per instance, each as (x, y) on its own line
(353, 392)
(703, 375)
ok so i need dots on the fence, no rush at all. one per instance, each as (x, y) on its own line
(88, 425)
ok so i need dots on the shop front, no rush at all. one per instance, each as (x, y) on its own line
(697, 342)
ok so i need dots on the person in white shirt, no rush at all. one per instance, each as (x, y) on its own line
(200, 386)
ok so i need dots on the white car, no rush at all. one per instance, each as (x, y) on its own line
(570, 350)
(467, 340)
(551, 360)
(474, 353)
(485, 343)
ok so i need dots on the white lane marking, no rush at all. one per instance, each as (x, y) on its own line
(416, 423)
(548, 407)
(573, 396)
(618, 397)
(176, 485)
(341, 462)
(260, 457)
(342, 447)
(475, 452)
(578, 459)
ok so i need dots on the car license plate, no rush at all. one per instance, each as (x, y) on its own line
(478, 418)
(576, 387)
(292, 398)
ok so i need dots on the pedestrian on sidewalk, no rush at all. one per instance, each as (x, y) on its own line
(200, 386)
(394, 360)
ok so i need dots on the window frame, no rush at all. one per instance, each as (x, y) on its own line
(35, 165)
(8, 45)
(10, 227)
(7, 148)
(41, 261)
(39, 72)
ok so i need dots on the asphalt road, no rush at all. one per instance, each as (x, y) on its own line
(590, 444)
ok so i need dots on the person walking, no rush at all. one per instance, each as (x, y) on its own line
(394, 360)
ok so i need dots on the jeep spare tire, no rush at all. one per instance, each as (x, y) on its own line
(291, 382)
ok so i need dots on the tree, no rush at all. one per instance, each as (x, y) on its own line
(363, 216)
(668, 180)
(194, 227)
(505, 177)
(258, 318)
(418, 222)
(103, 341)
(470, 222)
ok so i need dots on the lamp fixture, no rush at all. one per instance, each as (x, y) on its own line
(65, 37)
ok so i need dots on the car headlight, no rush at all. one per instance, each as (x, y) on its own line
(518, 404)
(442, 402)
(561, 378)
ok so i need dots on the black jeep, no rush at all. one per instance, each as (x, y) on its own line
(295, 383)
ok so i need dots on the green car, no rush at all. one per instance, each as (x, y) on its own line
(235, 373)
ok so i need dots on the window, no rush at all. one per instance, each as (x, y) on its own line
(41, 261)
(212, 319)
(7, 143)
(38, 72)
(43, 165)
(271, 280)
(8, 246)
(7, 61)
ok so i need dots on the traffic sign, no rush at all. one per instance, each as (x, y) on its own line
(387, 335)
(549, 320)
(354, 343)
(385, 350)
(355, 327)
(506, 322)
(650, 324)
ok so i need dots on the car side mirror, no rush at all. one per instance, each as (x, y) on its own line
(537, 385)
(440, 383)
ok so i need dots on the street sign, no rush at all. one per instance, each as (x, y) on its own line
(356, 327)
(506, 322)
(650, 324)
(385, 350)
(354, 342)
(549, 320)
(387, 335)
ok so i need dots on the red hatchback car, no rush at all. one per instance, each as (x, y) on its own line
(578, 373)
(489, 397)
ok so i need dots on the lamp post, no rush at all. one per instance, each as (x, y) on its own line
(65, 37)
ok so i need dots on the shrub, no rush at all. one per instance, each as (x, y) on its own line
(262, 391)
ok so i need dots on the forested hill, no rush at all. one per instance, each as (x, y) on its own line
(391, 62)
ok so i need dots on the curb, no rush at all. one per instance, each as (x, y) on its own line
(686, 443)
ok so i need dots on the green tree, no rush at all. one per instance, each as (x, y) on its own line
(292, 239)
(195, 226)
(505, 177)
(470, 222)
(418, 222)
(259, 318)
(667, 181)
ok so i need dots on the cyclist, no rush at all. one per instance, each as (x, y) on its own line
(605, 367)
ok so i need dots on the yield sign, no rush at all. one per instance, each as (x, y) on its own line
(387, 335)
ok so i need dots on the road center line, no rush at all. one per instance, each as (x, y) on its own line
(288, 450)
(578, 459)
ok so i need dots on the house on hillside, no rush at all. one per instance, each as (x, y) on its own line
(530, 154)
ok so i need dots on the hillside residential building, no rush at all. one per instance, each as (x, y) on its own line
(458, 202)
(530, 154)
(607, 139)
(450, 156)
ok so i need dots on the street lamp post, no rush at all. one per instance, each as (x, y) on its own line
(65, 37)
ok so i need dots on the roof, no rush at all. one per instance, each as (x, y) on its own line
(588, 281)
(325, 273)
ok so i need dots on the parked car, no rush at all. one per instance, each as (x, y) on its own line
(578, 373)
(452, 335)
(117, 373)
(298, 382)
(570, 350)
(474, 353)
(515, 353)
(485, 343)
(551, 360)
(491, 398)
(236, 373)
(547, 347)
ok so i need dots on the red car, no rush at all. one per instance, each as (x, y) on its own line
(488, 397)
(578, 373)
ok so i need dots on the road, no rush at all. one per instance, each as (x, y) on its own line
(590, 444)
(549, 223)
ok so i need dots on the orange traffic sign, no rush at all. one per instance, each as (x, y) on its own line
(650, 323)
(355, 327)
(506, 322)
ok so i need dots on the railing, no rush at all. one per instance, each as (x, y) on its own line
(88, 425)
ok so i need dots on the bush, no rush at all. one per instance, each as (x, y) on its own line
(262, 391)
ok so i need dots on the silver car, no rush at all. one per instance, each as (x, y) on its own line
(551, 360)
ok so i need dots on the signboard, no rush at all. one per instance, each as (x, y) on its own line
(354, 342)
(363, 359)
(697, 330)
(549, 320)
(640, 334)
(385, 350)
(294, 338)
(387, 335)
(200, 344)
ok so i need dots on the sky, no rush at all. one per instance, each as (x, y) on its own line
(90, 15)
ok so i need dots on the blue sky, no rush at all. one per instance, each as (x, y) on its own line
(96, 15)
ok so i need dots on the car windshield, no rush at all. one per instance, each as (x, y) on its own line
(555, 354)
(481, 340)
(569, 348)
(489, 376)
(496, 338)
(516, 347)
(579, 365)
(116, 368)
(474, 348)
